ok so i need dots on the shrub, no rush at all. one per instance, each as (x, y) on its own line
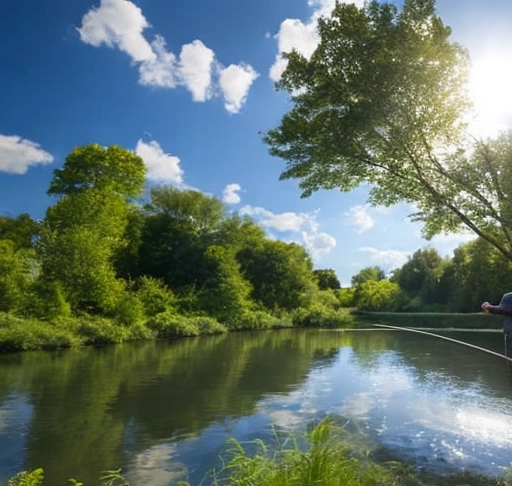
(207, 325)
(167, 325)
(318, 315)
(23, 335)
(155, 296)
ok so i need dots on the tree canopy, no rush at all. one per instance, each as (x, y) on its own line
(95, 167)
(383, 101)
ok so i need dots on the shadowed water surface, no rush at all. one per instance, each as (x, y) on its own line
(163, 411)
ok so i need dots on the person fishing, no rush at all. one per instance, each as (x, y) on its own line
(504, 308)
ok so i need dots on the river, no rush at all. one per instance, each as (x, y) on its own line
(162, 411)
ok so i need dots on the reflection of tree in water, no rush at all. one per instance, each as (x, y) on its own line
(88, 402)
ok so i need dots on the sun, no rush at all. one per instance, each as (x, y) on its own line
(491, 91)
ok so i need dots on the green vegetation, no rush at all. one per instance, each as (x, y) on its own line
(383, 100)
(322, 458)
(104, 268)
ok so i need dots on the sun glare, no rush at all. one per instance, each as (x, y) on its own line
(491, 91)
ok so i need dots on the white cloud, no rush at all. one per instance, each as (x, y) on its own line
(196, 62)
(359, 218)
(302, 36)
(18, 154)
(230, 194)
(162, 69)
(235, 82)
(117, 23)
(303, 224)
(318, 244)
(162, 167)
(288, 221)
(386, 259)
(120, 23)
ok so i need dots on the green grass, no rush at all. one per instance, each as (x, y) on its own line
(436, 320)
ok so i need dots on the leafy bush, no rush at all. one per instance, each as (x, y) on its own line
(129, 310)
(207, 325)
(167, 325)
(253, 320)
(23, 335)
(155, 296)
(27, 478)
(100, 330)
(318, 315)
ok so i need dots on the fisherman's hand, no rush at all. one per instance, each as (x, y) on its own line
(485, 306)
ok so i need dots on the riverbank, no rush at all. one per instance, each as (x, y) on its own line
(432, 320)
(28, 334)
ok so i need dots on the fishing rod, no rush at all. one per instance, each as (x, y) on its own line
(445, 338)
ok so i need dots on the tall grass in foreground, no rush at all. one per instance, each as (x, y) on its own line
(325, 459)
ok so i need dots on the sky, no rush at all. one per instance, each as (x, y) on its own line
(190, 87)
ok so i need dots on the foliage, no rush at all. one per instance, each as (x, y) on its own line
(321, 315)
(327, 461)
(202, 211)
(280, 273)
(18, 334)
(168, 325)
(382, 100)
(225, 292)
(374, 273)
(326, 279)
(379, 295)
(27, 478)
(18, 270)
(346, 296)
(113, 169)
(21, 230)
(155, 296)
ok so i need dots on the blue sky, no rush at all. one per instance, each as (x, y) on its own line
(189, 86)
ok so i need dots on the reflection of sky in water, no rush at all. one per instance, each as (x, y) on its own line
(441, 425)
(15, 414)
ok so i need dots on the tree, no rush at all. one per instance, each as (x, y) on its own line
(381, 295)
(382, 101)
(21, 230)
(95, 167)
(281, 273)
(327, 279)
(374, 273)
(225, 293)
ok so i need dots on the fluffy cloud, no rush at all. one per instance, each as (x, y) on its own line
(162, 167)
(318, 244)
(288, 221)
(120, 24)
(196, 61)
(117, 23)
(359, 218)
(230, 194)
(303, 224)
(302, 36)
(18, 154)
(235, 82)
(386, 259)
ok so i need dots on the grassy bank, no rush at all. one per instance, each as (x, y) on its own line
(435, 320)
(26, 334)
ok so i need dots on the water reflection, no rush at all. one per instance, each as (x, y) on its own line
(162, 411)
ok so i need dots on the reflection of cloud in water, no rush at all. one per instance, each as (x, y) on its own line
(156, 466)
(432, 419)
(285, 418)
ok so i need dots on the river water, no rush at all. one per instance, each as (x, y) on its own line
(162, 411)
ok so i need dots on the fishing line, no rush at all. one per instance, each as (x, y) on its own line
(446, 339)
